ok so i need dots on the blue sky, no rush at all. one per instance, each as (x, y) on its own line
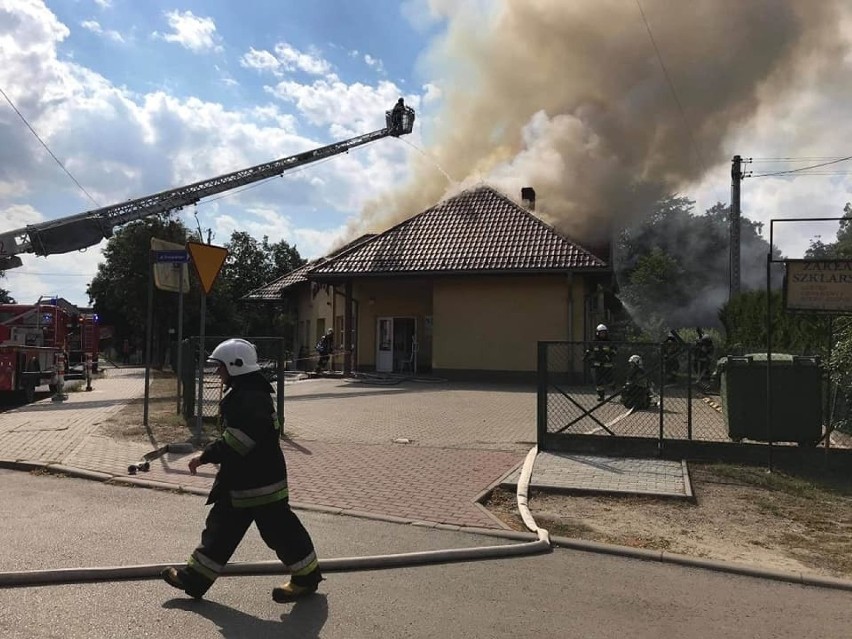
(136, 97)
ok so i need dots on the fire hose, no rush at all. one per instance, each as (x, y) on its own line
(49, 577)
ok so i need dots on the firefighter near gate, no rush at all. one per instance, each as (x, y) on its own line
(601, 356)
(251, 485)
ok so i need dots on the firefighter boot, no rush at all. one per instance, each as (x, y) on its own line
(297, 587)
(179, 578)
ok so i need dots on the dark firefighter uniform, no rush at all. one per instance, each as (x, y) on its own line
(635, 393)
(703, 356)
(601, 355)
(671, 358)
(251, 486)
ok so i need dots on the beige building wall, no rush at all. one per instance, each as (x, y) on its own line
(315, 315)
(494, 323)
(390, 298)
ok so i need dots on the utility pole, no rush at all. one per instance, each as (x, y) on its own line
(734, 268)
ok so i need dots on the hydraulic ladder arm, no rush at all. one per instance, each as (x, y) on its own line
(80, 231)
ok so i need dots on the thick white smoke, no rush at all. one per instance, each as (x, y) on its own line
(571, 98)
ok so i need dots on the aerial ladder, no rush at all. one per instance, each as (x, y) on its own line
(83, 230)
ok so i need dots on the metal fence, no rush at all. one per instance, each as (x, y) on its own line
(272, 356)
(684, 409)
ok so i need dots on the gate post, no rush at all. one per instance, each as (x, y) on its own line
(541, 395)
(88, 371)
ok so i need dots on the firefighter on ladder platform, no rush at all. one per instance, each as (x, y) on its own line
(251, 485)
(601, 354)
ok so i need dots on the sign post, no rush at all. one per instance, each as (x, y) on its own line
(207, 260)
(157, 258)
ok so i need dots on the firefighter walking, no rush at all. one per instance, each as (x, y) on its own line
(251, 485)
(601, 354)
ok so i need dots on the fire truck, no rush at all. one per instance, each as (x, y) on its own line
(31, 336)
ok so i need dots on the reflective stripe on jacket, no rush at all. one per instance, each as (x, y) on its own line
(252, 471)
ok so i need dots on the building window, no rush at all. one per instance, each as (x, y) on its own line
(320, 327)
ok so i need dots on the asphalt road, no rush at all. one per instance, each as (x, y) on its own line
(51, 522)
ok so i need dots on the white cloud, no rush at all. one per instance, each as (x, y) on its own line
(286, 58)
(104, 4)
(310, 62)
(810, 123)
(95, 27)
(375, 63)
(323, 102)
(260, 60)
(191, 32)
(120, 145)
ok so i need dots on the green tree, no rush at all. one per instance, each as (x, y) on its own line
(744, 320)
(119, 290)
(842, 245)
(250, 265)
(673, 267)
(5, 297)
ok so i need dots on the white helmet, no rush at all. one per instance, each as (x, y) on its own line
(601, 327)
(635, 360)
(238, 356)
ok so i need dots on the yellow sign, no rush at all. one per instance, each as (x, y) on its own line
(818, 286)
(208, 262)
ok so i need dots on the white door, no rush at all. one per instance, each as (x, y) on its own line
(384, 345)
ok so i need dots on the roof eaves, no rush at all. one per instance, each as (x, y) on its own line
(327, 277)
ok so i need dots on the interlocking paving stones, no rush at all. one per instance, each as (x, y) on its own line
(588, 473)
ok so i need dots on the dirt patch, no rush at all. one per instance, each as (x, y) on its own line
(745, 515)
(165, 425)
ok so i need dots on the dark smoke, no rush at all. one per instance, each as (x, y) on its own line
(570, 97)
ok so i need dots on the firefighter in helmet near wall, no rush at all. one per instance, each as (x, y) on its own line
(601, 355)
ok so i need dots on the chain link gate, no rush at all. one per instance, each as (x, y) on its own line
(272, 356)
(681, 403)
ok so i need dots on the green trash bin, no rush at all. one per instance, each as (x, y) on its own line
(796, 398)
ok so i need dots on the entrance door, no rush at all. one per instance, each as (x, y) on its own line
(384, 345)
(404, 341)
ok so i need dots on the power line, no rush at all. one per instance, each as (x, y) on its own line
(804, 168)
(672, 88)
(20, 272)
(797, 159)
(32, 130)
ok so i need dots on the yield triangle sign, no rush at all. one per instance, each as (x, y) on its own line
(208, 261)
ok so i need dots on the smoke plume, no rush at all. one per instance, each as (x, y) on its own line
(570, 97)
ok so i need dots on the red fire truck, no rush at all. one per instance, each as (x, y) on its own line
(32, 336)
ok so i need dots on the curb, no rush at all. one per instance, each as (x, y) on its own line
(661, 556)
(715, 565)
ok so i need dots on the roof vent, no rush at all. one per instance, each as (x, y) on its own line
(528, 197)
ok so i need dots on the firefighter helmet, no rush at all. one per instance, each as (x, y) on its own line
(635, 360)
(238, 356)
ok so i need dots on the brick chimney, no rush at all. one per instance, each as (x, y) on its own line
(528, 197)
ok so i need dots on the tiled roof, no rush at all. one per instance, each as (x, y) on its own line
(275, 289)
(480, 230)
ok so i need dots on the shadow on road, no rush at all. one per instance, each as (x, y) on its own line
(306, 618)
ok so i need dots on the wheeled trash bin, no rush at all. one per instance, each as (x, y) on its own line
(796, 398)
